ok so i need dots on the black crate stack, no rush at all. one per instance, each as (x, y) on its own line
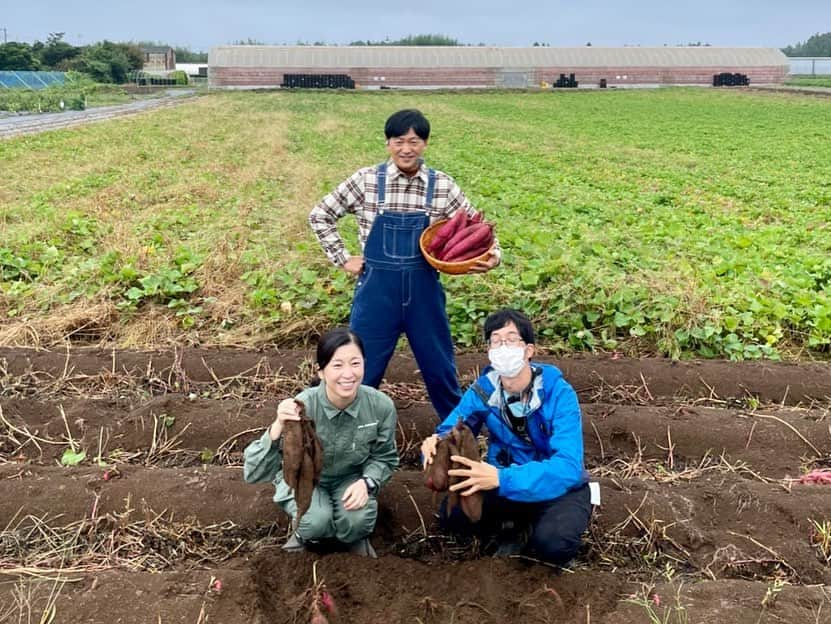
(317, 81)
(726, 79)
(565, 83)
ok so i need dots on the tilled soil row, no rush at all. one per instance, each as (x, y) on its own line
(717, 525)
(277, 588)
(174, 430)
(692, 458)
(134, 597)
(596, 378)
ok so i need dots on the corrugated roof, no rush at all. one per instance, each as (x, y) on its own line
(451, 56)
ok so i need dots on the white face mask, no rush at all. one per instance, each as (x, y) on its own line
(507, 361)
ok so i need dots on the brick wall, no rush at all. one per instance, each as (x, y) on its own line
(368, 77)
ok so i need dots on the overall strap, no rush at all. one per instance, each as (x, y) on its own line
(381, 172)
(431, 187)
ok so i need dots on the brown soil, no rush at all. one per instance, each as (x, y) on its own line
(703, 519)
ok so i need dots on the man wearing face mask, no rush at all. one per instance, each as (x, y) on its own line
(536, 493)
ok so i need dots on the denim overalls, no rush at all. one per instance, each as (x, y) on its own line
(399, 292)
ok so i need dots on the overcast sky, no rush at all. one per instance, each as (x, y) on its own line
(201, 24)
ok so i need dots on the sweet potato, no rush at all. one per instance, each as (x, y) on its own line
(469, 448)
(305, 486)
(460, 254)
(468, 238)
(445, 232)
(458, 235)
(302, 460)
(471, 253)
(436, 478)
(292, 452)
(460, 441)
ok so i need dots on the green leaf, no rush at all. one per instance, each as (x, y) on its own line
(134, 294)
(71, 458)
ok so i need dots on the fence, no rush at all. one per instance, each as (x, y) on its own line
(30, 79)
(810, 66)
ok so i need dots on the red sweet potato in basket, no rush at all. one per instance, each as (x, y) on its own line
(462, 237)
(445, 232)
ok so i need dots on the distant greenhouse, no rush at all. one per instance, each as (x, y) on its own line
(30, 79)
(375, 67)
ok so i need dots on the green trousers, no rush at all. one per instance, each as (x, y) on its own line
(326, 518)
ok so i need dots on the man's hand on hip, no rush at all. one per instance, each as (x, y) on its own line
(354, 265)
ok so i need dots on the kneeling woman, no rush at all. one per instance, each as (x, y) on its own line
(356, 427)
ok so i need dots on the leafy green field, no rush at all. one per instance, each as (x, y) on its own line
(679, 221)
(809, 81)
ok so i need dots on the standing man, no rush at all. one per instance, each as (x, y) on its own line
(397, 291)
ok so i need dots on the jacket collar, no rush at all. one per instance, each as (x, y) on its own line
(394, 172)
(536, 388)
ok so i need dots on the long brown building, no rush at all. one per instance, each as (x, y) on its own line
(420, 67)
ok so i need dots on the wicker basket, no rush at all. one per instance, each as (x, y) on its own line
(452, 268)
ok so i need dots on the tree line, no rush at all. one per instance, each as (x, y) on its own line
(817, 45)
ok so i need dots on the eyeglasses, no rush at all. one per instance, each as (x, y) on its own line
(512, 341)
(415, 142)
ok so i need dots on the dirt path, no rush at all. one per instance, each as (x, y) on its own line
(703, 517)
(41, 122)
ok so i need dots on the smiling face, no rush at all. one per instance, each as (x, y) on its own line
(406, 151)
(343, 374)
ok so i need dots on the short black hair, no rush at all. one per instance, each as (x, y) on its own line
(333, 340)
(501, 318)
(400, 123)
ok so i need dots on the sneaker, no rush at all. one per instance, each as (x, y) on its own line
(363, 548)
(509, 540)
(508, 549)
(294, 544)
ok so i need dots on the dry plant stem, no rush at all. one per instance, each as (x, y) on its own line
(418, 511)
(467, 603)
(114, 541)
(203, 615)
(777, 557)
(407, 444)
(646, 388)
(224, 448)
(599, 441)
(750, 435)
(25, 432)
(161, 445)
(789, 426)
(713, 395)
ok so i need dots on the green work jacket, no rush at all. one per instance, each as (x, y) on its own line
(358, 441)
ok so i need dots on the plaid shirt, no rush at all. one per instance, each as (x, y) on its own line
(359, 195)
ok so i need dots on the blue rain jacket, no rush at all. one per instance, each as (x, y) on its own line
(546, 464)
